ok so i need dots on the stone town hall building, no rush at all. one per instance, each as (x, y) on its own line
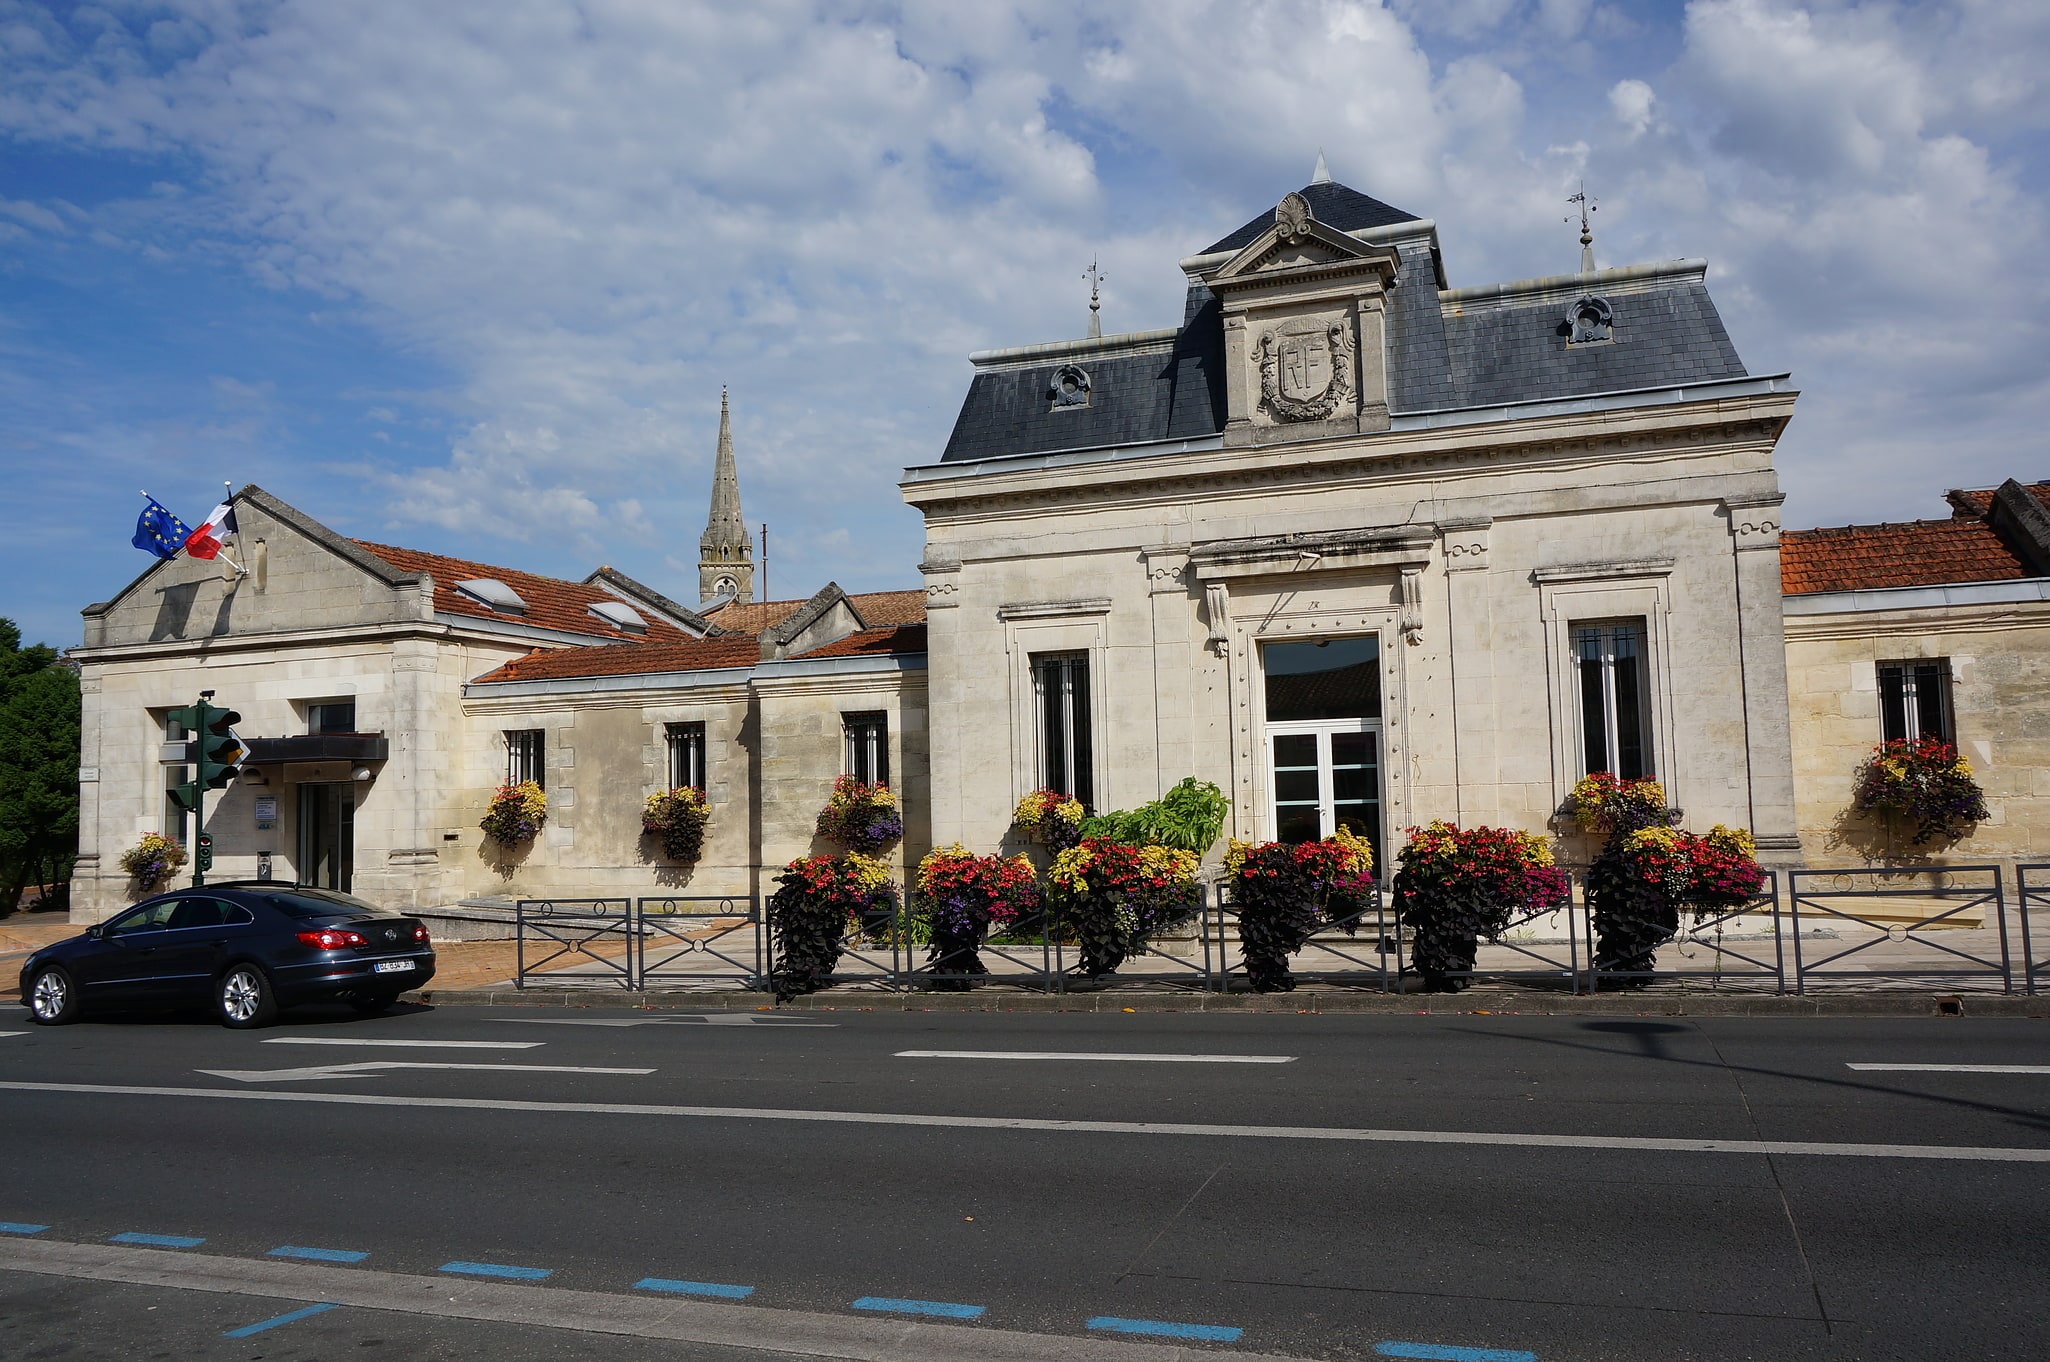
(1359, 546)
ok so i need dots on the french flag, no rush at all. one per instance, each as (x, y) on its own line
(205, 539)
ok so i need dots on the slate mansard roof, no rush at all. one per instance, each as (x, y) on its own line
(1448, 349)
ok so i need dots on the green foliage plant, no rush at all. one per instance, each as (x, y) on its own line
(1190, 817)
(39, 754)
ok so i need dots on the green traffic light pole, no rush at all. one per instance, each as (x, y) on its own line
(214, 749)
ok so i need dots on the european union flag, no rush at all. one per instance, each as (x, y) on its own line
(158, 531)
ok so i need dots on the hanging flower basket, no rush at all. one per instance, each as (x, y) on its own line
(516, 815)
(820, 899)
(1604, 804)
(860, 816)
(1457, 885)
(1113, 896)
(153, 860)
(1924, 782)
(678, 817)
(1052, 819)
(1285, 891)
(960, 896)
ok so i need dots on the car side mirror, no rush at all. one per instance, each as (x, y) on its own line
(93, 931)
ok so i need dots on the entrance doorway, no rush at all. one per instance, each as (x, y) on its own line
(1323, 706)
(327, 835)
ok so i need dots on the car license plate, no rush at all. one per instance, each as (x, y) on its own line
(391, 966)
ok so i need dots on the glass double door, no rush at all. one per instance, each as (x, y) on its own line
(327, 835)
(1324, 777)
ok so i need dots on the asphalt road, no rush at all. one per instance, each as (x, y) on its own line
(1471, 1188)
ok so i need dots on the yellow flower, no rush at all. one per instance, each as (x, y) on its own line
(1738, 840)
(869, 873)
(1359, 853)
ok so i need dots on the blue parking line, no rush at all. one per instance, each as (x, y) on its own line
(318, 1255)
(1214, 1333)
(16, 1227)
(693, 1288)
(158, 1240)
(1441, 1352)
(891, 1305)
(524, 1274)
(258, 1327)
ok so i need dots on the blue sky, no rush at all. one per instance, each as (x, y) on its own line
(468, 276)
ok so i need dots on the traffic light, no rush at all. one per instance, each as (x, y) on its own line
(189, 721)
(203, 852)
(220, 751)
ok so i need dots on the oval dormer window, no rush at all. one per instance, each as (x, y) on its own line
(1070, 387)
(493, 594)
(620, 616)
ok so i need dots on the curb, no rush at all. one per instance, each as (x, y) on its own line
(1475, 1002)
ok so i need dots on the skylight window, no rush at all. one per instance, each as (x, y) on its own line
(489, 591)
(620, 616)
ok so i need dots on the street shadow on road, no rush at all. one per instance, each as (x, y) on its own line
(1651, 1044)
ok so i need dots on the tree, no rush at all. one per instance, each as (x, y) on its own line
(39, 747)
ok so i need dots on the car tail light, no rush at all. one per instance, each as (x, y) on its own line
(331, 939)
(420, 934)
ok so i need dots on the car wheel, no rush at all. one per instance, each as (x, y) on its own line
(244, 997)
(370, 1004)
(53, 997)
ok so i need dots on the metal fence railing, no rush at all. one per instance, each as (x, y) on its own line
(1740, 948)
(1905, 927)
(2032, 896)
(585, 941)
(1929, 909)
(703, 939)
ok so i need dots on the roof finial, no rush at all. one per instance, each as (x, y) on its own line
(1322, 174)
(1587, 205)
(1095, 277)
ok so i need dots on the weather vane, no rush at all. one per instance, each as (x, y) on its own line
(1095, 277)
(1587, 205)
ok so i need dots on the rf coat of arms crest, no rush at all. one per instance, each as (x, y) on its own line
(1306, 369)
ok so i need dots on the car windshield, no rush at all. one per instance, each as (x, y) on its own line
(309, 903)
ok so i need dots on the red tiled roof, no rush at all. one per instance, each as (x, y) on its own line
(1917, 553)
(551, 603)
(902, 638)
(630, 659)
(878, 609)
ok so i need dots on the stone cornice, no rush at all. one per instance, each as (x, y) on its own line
(1705, 425)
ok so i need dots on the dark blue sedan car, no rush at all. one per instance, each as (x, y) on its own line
(246, 948)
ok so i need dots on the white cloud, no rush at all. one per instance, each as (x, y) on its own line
(593, 216)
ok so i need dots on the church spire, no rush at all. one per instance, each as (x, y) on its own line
(725, 552)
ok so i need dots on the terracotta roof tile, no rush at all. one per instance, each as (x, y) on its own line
(901, 638)
(551, 602)
(1872, 557)
(629, 659)
(878, 609)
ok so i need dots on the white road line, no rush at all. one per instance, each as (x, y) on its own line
(410, 1044)
(712, 1324)
(368, 1067)
(1078, 1054)
(13, 1033)
(1631, 1143)
(681, 1019)
(1951, 1068)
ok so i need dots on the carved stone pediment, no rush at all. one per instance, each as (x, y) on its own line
(1304, 331)
(1298, 241)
